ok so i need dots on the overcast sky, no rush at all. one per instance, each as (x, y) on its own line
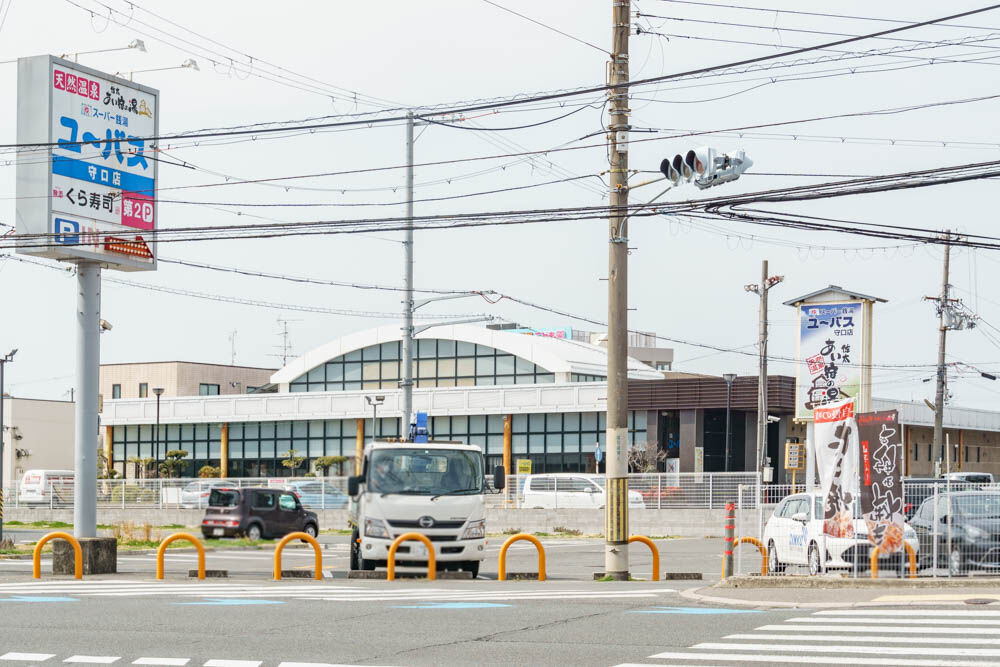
(686, 276)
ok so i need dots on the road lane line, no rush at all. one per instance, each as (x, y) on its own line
(889, 629)
(93, 659)
(233, 663)
(813, 659)
(27, 657)
(885, 650)
(908, 612)
(964, 641)
(907, 621)
(169, 662)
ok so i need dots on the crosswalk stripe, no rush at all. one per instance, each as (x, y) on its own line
(810, 659)
(27, 657)
(169, 662)
(93, 659)
(908, 613)
(825, 637)
(232, 663)
(907, 621)
(894, 629)
(886, 650)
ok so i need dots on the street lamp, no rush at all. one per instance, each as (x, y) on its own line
(3, 362)
(374, 401)
(190, 63)
(136, 44)
(156, 436)
(728, 377)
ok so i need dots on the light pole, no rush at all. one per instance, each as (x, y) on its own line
(156, 436)
(374, 401)
(3, 362)
(728, 377)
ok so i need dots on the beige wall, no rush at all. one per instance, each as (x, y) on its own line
(46, 431)
(180, 378)
(981, 447)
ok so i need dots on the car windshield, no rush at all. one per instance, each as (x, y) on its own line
(223, 498)
(425, 471)
(985, 505)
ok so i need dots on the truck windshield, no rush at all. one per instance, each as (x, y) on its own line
(426, 471)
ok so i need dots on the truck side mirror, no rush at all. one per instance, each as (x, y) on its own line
(499, 478)
(352, 485)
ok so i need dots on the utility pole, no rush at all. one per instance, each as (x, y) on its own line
(616, 563)
(942, 374)
(3, 362)
(766, 283)
(88, 362)
(406, 384)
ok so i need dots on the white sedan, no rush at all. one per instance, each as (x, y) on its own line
(794, 536)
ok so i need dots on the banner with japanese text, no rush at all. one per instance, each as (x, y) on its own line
(831, 339)
(836, 443)
(881, 478)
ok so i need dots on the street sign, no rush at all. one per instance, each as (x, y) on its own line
(86, 165)
(598, 454)
(524, 466)
(795, 455)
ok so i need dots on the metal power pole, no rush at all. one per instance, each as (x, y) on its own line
(407, 382)
(3, 363)
(616, 507)
(761, 290)
(88, 361)
(942, 375)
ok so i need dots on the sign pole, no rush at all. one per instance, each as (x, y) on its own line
(88, 360)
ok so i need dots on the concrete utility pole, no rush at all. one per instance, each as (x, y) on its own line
(406, 384)
(3, 363)
(88, 362)
(942, 374)
(616, 507)
(766, 283)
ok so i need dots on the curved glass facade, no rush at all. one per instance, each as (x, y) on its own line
(437, 362)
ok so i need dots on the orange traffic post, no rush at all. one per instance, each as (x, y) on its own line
(911, 554)
(727, 552)
(502, 565)
(162, 549)
(318, 576)
(431, 561)
(656, 553)
(36, 565)
(760, 547)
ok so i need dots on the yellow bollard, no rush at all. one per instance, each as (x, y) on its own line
(431, 559)
(760, 547)
(318, 576)
(162, 549)
(502, 564)
(36, 565)
(656, 553)
(911, 554)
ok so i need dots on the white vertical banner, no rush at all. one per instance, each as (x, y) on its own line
(836, 450)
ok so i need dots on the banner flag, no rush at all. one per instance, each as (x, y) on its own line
(835, 446)
(881, 480)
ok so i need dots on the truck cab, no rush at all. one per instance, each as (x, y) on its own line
(436, 489)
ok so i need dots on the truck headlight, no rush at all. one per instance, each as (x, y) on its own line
(476, 530)
(376, 528)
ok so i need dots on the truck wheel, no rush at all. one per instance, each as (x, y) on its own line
(355, 551)
(471, 566)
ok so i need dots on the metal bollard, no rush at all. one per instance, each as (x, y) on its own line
(727, 558)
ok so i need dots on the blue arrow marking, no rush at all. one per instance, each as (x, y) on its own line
(453, 605)
(228, 602)
(693, 610)
(32, 598)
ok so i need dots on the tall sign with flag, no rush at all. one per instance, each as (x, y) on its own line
(831, 346)
(836, 450)
(880, 471)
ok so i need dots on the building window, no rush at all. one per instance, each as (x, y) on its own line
(143, 389)
(116, 391)
(208, 389)
(580, 377)
(252, 390)
(436, 363)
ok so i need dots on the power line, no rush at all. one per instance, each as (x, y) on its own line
(546, 26)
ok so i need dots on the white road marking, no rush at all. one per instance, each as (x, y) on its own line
(907, 621)
(27, 657)
(233, 663)
(93, 659)
(170, 662)
(885, 650)
(908, 613)
(810, 659)
(891, 629)
(825, 637)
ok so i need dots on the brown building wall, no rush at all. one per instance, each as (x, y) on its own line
(180, 378)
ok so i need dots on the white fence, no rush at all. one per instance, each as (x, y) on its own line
(570, 491)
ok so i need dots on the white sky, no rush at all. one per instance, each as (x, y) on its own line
(686, 280)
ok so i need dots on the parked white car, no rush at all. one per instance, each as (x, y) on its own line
(195, 495)
(569, 490)
(46, 487)
(794, 535)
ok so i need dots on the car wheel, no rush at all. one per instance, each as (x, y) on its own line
(254, 532)
(471, 566)
(815, 565)
(311, 530)
(956, 562)
(773, 564)
(355, 551)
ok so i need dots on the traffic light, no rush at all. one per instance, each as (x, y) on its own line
(705, 167)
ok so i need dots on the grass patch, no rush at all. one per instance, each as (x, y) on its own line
(606, 577)
(543, 534)
(567, 531)
(44, 524)
(511, 531)
(13, 523)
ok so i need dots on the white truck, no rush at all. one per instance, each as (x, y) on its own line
(436, 489)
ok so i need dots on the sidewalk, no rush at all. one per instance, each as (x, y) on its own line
(824, 593)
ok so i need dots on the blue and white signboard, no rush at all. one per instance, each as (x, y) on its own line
(831, 345)
(598, 454)
(88, 184)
